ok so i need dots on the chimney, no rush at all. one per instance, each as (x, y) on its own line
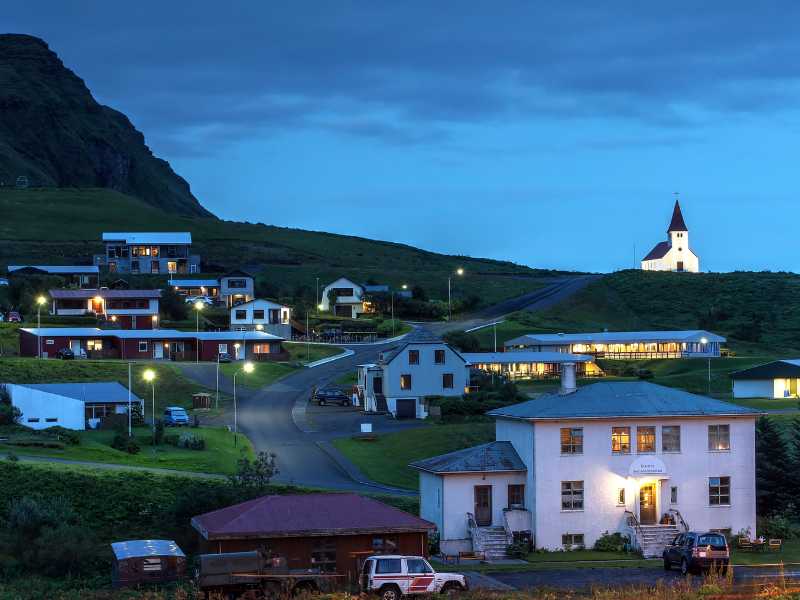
(568, 385)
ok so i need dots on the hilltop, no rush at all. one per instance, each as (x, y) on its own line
(54, 132)
(65, 225)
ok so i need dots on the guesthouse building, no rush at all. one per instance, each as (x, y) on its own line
(531, 365)
(150, 252)
(262, 315)
(776, 379)
(126, 309)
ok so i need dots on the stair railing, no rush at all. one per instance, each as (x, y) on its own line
(680, 520)
(637, 537)
(509, 534)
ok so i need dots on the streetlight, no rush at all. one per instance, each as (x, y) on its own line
(459, 272)
(704, 341)
(247, 367)
(150, 377)
(198, 306)
(40, 301)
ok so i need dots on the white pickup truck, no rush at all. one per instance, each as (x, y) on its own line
(392, 577)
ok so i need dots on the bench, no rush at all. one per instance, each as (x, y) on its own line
(775, 545)
(480, 556)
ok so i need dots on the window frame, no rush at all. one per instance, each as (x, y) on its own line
(617, 432)
(572, 537)
(574, 494)
(403, 384)
(621, 500)
(718, 428)
(642, 429)
(240, 314)
(515, 491)
(723, 490)
(439, 352)
(452, 381)
(413, 357)
(673, 494)
(664, 448)
(573, 447)
(141, 344)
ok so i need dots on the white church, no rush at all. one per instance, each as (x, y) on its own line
(674, 254)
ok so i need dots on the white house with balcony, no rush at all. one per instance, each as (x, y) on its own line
(236, 287)
(403, 380)
(624, 345)
(262, 315)
(633, 457)
(343, 298)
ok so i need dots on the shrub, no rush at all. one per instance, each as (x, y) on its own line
(255, 474)
(9, 414)
(611, 542)
(125, 443)
(780, 526)
(191, 441)
(517, 550)
(68, 436)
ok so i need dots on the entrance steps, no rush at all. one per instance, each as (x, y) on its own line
(492, 541)
(654, 538)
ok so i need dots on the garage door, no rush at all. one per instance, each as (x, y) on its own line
(407, 408)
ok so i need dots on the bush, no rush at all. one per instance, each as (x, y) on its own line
(191, 441)
(611, 542)
(9, 414)
(779, 526)
(517, 550)
(125, 443)
(68, 436)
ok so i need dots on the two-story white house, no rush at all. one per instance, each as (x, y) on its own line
(343, 298)
(236, 287)
(403, 379)
(262, 315)
(633, 457)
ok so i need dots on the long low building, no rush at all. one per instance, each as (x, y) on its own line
(695, 343)
(776, 379)
(83, 276)
(128, 309)
(158, 344)
(531, 365)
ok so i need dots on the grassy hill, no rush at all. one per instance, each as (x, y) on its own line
(758, 312)
(55, 225)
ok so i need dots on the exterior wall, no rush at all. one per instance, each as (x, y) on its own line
(41, 405)
(521, 435)
(227, 293)
(679, 252)
(426, 377)
(136, 321)
(604, 474)
(354, 300)
(756, 388)
(431, 488)
(282, 328)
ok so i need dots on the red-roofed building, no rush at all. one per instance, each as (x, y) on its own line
(334, 532)
(674, 254)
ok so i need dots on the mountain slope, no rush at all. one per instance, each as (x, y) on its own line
(54, 132)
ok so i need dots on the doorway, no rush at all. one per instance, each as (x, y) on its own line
(647, 504)
(680, 266)
(158, 350)
(483, 505)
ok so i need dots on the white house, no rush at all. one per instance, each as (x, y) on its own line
(70, 405)
(633, 457)
(776, 379)
(236, 287)
(343, 298)
(263, 315)
(674, 254)
(402, 380)
(624, 345)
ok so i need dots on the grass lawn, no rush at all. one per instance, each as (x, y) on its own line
(305, 353)
(347, 379)
(386, 459)
(263, 374)
(578, 559)
(789, 554)
(220, 455)
(768, 404)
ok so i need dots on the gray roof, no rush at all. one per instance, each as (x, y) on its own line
(58, 269)
(611, 337)
(96, 391)
(149, 237)
(620, 399)
(787, 368)
(150, 334)
(524, 357)
(494, 456)
(193, 282)
(139, 548)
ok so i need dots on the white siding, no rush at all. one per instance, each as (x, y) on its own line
(754, 388)
(36, 404)
(426, 377)
(430, 499)
(521, 434)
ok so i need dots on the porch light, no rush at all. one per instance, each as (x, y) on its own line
(98, 299)
(154, 318)
(703, 341)
(113, 318)
(237, 345)
(166, 344)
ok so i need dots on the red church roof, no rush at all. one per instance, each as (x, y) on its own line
(677, 223)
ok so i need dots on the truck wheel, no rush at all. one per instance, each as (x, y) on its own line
(451, 589)
(322, 402)
(684, 567)
(667, 564)
(391, 592)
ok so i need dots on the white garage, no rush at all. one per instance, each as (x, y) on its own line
(776, 379)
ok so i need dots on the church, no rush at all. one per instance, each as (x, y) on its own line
(674, 254)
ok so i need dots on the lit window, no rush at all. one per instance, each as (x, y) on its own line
(645, 440)
(621, 497)
(719, 438)
(405, 382)
(571, 495)
(572, 440)
(621, 440)
(222, 348)
(49, 342)
(94, 344)
(719, 491)
(671, 438)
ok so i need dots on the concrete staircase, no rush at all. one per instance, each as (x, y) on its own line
(654, 538)
(492, 541)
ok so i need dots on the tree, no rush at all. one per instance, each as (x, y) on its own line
(466, 342)
(794, 461)
(418, 293)
(173, 304)
(773, 495)
(255, 474)
(9, 414)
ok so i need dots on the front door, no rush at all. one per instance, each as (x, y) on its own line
(647, 504)
(483, 505)
(680, 265)
(158, 350)
(377, 385)
(75, 346)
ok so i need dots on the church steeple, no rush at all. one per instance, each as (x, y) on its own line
(677, 223)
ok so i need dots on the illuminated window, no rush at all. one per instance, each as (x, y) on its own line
(645, 440)
(571, 495)
(671, 438)
(94, 345)
(621, 440)
(49, 342)
(222, 348)
(261, 348)
(719, 438)
(413, 357)
(621, 497)
(572, 440)
(447, 381)
(405, 382)
(719, 491)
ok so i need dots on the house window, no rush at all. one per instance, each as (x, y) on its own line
(719, 438)
(516, 496)
(405, 382)
(33, 419)
(237, 284)
(572, 541)
(51, 420)
(645, 440)
(572, 440)
(438, 357)
(142, 346)
(447, 381)
(222, 348)
(323, 555)
(154, 266)
(49, 342)
(621, 497)
(134, 266)
(258, 315)
(673, 494)
(94, 344)
(719, 491)
(192, 268)
(571, 495)
(261, 348)
(385, 545)
(413, 357)
(621, 440)
(240, 315)
(172, 266)
(671, 438)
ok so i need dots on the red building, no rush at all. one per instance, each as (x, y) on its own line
(128, 309)
(151, 344)
(333, 532)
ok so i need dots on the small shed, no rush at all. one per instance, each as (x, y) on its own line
(147, 561)
(201, 401)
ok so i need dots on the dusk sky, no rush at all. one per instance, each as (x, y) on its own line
(551, 134)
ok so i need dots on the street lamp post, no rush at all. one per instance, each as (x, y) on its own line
(40, 301)
(459, 272)
(392, 313)
(130, 384)
(198, 306)
(704, 341)
(247, 367)
(216, 401)
(150, 377)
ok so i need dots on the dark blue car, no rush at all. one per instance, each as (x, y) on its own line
(695, 552)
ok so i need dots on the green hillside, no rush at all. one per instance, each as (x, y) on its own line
(758, 312)
(53, 225)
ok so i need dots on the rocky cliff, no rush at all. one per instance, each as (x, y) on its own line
(54, 132)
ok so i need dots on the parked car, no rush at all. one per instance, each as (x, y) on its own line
(2, 317)
(224, 357)
(175, 416)
(203, 299)
(65, 354)
(14, 317)
(331, 396)
(392, 577)
(694, 552)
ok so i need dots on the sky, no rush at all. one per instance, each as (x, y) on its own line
(551, 134)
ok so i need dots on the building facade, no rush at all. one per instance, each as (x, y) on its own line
(343, 298)
(127, 309)
(148, 253)
(524, 364)
(673, 254)
(236, 288)
(262, 315)
(776, 379)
